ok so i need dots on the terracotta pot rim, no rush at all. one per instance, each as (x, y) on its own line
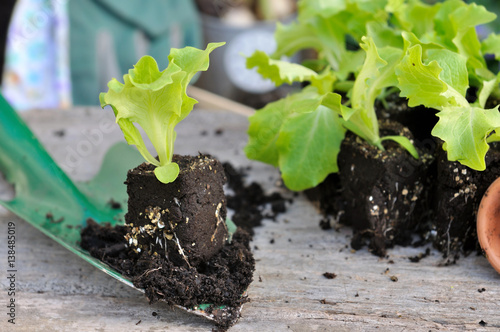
(488, 224)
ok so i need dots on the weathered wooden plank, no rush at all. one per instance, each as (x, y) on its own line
(59, 292)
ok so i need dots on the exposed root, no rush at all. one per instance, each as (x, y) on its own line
(149, 271)
(220, 220)
(448, 242)
(181, 251)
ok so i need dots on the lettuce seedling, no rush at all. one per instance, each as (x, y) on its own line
(367, 50)
(157, 101)
(437, 74)
(302, 133)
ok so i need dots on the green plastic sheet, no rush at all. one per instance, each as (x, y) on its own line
(50, 201)
(45, 196)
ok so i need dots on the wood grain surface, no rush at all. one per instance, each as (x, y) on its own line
(57, 291)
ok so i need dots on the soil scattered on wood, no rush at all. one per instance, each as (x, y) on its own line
(221, 281)
(417, 258)
(249, 201)
(443, 200)
(384, 191)
(114, 204)
(59, 133)
(329, 275)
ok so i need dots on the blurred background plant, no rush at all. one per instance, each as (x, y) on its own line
(70, 48)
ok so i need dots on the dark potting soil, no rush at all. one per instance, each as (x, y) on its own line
(221, 281)
(249, 201)
(459, 192)
(419, 120)
(174, 242)
(385, 196)
(185, 219)
(327, 197)
(451, 194)
(384, 193)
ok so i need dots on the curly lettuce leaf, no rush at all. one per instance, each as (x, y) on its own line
(384, 35)
(486, 90)
(465, 131)
(325, 8)
(324, 25)
(156, 101)
(421, 18)
(442, 84)
(444, 31)
(455, 29)
(465, 19)
(454, 69)
(376, 74)
(278, 71)
(423, 84)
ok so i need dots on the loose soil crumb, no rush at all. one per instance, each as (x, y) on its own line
(220, 281)
(59, 133)
(329, 275)
(416, 259)
(325, 224)
(324, 301)
(249, 201)
(114, 204)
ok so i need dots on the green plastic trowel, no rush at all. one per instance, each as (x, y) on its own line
(46, 198)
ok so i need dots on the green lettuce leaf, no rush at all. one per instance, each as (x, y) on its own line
(308, 146)
(271, 138)
(376, 74)
(404, 142)
(422, 83)
(454, 69)
(444, 31)
(465, 19)
(325, 8)
(278, 71)
(442, 84)
(156, 101)
(324, 25)
(265, 124)
(367, 50)
(491, 45)
(167, 173)
(464, 131)
(486, 90)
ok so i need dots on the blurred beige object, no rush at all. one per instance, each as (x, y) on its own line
(240, 16)
(275, 9)
(210, 100)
